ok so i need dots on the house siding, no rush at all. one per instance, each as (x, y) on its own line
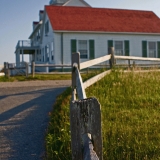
(100, 42)
(48, 38)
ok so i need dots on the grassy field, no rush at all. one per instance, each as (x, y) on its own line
(36, 77)
(46, 77)
(130, 104)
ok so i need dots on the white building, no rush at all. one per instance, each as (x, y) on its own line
(67, 26)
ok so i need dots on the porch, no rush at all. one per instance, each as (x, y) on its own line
(25, 47)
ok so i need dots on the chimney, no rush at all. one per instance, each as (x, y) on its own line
(34, 25)
(41, 13)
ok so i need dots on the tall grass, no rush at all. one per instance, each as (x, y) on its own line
(58, 138)
(130, 115)
(130, 104)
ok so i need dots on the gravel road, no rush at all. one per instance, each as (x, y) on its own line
(24, 108)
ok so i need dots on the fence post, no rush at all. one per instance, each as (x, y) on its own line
(112, 60)
(33, 68)
(7, 71)
(85, 119)
(5, 68)
(134, 64)
(75, 59)
(129, 64)
(26, 65)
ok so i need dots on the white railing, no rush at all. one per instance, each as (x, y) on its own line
(24, 43)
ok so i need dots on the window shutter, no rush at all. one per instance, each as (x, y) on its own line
(73, 46)
(158, 47)
(110, 43)
(144, 48)
(91, 49)
(126, 48)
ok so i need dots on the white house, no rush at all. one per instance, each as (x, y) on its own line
(68, 26)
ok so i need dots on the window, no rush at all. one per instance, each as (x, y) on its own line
(83, 49)
(152, 49)
(119, 47)
(40, 56)
(46, 27)
(47, 53)
(42, 51)
(52, 51)
(37, 55)
(38, 35)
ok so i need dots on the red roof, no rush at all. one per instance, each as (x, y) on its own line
(102, 19)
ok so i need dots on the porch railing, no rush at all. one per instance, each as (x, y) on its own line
(25, 43)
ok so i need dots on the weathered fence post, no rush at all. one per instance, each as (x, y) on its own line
(134, 64)
(8, 71)
(75, 60)
(33, 68)
(129, 64)
(26, 65)
(5, 68)
(85, 118)
(112, 60)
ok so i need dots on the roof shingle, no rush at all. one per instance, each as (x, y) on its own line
(102, 19)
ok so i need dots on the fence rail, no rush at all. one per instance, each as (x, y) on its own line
(21, 68)
(84, 126)
(137, 58)
(94, 62)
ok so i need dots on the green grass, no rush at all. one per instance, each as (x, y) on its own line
(130, 104)
(46, 77)
(36, 77)
(58, 138)
(130, 115)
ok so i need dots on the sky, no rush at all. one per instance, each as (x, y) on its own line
(16, 17)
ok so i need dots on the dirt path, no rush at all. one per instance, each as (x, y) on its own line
(24, 108)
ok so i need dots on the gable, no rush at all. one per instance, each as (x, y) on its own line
(102, 20)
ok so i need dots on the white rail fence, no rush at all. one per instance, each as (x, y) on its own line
(85, 114)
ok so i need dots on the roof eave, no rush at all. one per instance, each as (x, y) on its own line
(107, 32)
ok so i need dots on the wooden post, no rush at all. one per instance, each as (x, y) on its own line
(134, 64)
(112, 60)
(5, 68)
(7, 71)
(26, 65)
(85, 120)
(129, 64)
(33, 68)
(76, 60)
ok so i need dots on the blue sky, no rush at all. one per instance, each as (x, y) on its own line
(16, 17)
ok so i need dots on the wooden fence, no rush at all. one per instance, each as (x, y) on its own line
(8, 67)
(85, 114)
(33, 65)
